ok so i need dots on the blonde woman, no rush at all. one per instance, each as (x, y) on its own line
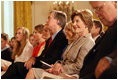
(70, 32)
(23, 49)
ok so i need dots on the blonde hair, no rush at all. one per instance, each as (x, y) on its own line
(19, 46)
(86, 15)
(69, 26)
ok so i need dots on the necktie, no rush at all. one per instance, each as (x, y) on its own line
(49, 42)
(48, 46)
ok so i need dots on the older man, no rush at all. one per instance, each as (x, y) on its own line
(107, 13)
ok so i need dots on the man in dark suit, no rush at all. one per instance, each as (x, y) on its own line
(107, 12)
(53, 49)
(6, 52)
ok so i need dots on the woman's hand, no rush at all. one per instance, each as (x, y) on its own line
(50, 69)
(57, 69)
(28, 64)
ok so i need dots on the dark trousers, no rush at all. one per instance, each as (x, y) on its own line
(15, 71)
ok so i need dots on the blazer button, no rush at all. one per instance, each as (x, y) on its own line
(94, 50)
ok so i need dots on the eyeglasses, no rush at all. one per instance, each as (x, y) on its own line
(99, 8)
(18, 33)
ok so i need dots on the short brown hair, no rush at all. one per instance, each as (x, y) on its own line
(61, 16)
(86, 15)
(4, 36)
(30, 35)
(98, 24)
(39, 28)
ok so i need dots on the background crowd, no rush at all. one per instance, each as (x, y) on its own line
(79, 48)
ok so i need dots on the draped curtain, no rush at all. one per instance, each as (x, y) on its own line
(22, 15)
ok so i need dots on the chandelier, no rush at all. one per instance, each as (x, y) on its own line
(65, 6)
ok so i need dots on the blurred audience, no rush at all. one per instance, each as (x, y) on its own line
(46, 32)
(32, 40)
(6, 52)
(53, 49)
(81, 59)
(23, 49)
(12, 44)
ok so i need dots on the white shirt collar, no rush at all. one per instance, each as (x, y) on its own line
(5, 48)
(96, 37)
(53, 36)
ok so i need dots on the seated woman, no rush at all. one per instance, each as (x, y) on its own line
(38, 36)
(77, 49)
(23, 49)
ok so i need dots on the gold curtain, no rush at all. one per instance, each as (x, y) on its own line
(22, 15)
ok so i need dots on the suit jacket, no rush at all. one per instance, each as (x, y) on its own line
(54, 52)
(104, 47)
(6, 54)
(74, 54)
(111, 71)
(99, 37)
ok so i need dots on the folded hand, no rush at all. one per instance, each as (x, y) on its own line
(28, 64)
